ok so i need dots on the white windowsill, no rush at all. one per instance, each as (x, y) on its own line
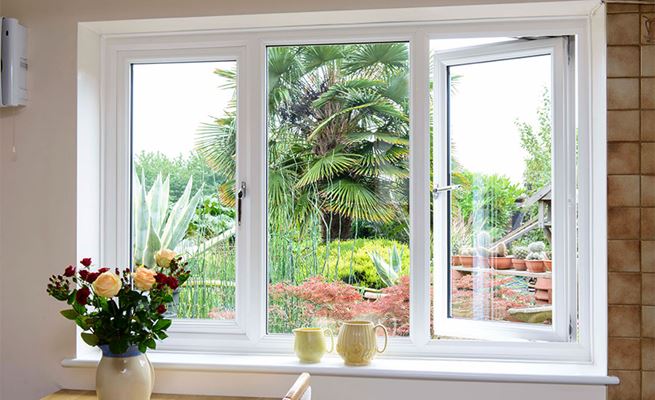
(453, 370)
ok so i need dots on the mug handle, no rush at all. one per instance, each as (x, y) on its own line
(331, 339)
(386, 338)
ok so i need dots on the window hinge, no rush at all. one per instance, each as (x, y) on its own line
(240, 195)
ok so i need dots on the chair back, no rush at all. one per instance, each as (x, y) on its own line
(300, 389)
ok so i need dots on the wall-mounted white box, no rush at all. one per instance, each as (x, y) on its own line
(13, 61)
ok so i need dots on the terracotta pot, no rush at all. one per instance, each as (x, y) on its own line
(500, 262)
(544, 284)
(519, 264)
(535, 265)
(541, 295)
(456, 260)
(467, 261)
(548, 264)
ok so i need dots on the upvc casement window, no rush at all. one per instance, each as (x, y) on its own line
(372, 172)
(548, 204)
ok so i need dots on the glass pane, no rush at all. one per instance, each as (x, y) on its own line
(338, 185)
(500, 215)
(183, 140)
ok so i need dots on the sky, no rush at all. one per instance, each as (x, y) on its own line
(171, 100)
(488, 99)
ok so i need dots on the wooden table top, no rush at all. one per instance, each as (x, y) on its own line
(91, 395)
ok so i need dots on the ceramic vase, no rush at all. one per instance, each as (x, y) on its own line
(126, 376)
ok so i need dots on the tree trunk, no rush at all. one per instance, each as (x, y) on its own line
(340, 227)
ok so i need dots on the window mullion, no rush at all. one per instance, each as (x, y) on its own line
(252, 152)
(419, 207)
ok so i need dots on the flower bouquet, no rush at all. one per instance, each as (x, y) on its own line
(122, 312)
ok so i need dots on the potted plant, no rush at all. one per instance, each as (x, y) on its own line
(455, 260)
(548, 262)
(520, 254)
(534, 261)
(482, 252)
(466, 258)
(498, 258)
(121, 312)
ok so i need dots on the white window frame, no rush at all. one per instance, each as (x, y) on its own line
(248, 335)
(562, 94)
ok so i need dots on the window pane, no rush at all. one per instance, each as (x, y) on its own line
(183, 139)
(338, 185)
(500, 136)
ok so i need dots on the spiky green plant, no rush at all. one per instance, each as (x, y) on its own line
(389, 272)
(156, 226)
(521, 252)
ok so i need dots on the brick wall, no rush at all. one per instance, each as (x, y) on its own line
(631, 200)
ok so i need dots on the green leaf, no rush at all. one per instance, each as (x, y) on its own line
(82, 322)
(328, 166)
(143, 348)
(79, 308)
(151, 344)
(90, 339)
(162, 324)
(69, 314)
(119, 346)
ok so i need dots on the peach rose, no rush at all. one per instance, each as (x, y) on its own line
(164, 257)
(144, 278)
(108, 284)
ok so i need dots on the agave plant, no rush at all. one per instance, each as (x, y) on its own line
(155, 226)
(388, 272)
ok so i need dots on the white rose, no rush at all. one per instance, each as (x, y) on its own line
(164, 257)
(108, 284)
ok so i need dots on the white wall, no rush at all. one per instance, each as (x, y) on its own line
(38, 189)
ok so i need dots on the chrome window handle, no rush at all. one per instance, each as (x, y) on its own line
(437, 190)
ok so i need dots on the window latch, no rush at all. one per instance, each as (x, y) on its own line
(240, 195)
(437, 190)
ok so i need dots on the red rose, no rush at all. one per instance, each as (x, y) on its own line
(70, 271)
(172, 282)
(86, 262)
(103, 270)
(84, 274)
(82, 295)
(161, 309)
(92, 276)
(160, 278)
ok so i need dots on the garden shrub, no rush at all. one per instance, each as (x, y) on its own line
(362, 272)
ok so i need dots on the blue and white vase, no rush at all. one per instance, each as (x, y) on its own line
(126, 376)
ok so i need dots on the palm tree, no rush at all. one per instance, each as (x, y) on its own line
(338, 136)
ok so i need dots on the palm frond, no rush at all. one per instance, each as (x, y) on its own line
(387, 137)
(328, 166)
(217, 144)
(369, 56)
(339, 91)
(357, 201)
(316, 56)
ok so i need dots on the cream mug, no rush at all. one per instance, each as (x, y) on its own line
(357, 343)
(309, 344)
